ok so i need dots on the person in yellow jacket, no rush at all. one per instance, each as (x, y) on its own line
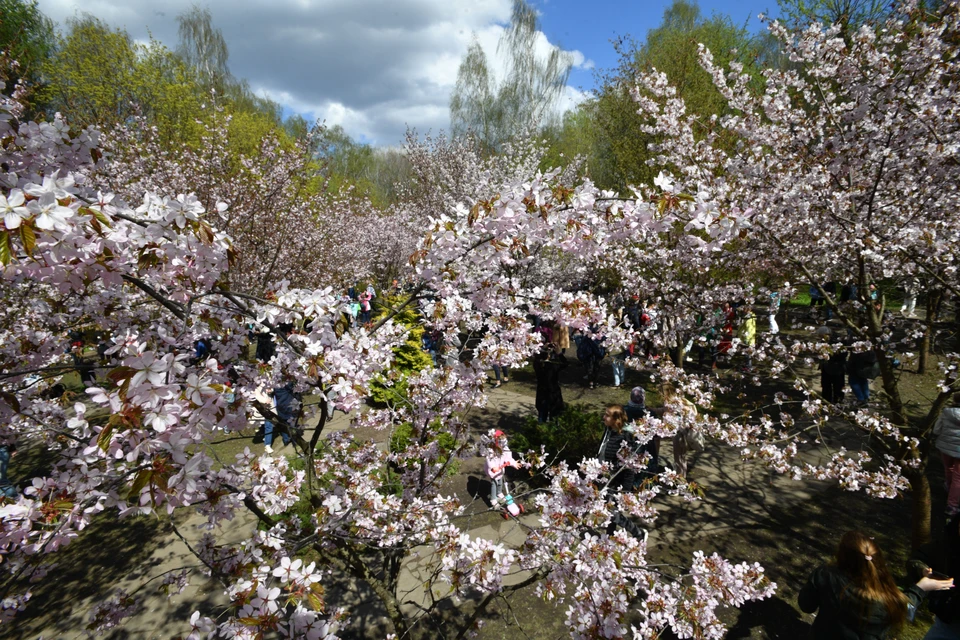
(747, 333)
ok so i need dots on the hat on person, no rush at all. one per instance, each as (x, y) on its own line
(498, 434)
(638, 395)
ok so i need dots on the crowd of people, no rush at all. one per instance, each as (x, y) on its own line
(855, 596)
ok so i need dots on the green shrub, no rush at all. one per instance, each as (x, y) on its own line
(409, 357)
(403, 436)
(572, 436)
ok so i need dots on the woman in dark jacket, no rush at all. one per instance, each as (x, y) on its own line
(614, 419)
(945, 605)
(548, 364)
(832, 374)
(856, 597)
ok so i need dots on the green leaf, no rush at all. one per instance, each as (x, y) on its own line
(104, 220)
(6, 253)
(103, 438)
(140, 482)
(29, 237)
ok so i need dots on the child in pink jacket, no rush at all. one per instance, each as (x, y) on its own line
(499, 457)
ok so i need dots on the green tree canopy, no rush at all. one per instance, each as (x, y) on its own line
(671, 48)
(26, 36)
(100, 76)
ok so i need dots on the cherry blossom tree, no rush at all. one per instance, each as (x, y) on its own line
(284, 221)
(844, 167)
(157, 276)
(822, 176)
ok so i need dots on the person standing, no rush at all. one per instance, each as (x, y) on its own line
(816, 299)
(910, 288)
(856, 597)
(619, 361)
(589, 353)
(945, 605)
(747, 333)
(365, 299)
(286, 407)
(848, 292)
(501, 372)
(679, 412)
(7, 489)
(561, 336)
(498, 458)
(833, 372)
(726, 334)
(773, 309)
(831, 290)
(621, 477)
(862, 367)
(548, 364)
(947, 430)
(636, 409)
(614, 419)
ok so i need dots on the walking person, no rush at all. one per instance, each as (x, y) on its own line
(947, 431)
(547, 365)
(856, 597)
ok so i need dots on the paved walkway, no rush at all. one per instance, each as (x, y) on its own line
(737, 495)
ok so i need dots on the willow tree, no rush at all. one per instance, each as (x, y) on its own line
(495, 109)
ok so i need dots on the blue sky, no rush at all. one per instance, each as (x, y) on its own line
(590, 27)
(377, 67)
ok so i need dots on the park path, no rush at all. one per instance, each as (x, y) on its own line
(737, 495)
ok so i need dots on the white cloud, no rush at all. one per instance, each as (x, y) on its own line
(372, 66)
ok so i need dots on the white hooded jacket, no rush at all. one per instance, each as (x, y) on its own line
(947, 430)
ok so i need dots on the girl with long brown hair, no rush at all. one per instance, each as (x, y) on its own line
(856, 596)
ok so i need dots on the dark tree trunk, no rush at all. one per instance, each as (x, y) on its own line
(933, 304)
(919, 509)
(677, 355)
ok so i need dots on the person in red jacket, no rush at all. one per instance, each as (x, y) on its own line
(499, 457)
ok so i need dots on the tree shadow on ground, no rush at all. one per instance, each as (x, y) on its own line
(760, 615)
(107, 551)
